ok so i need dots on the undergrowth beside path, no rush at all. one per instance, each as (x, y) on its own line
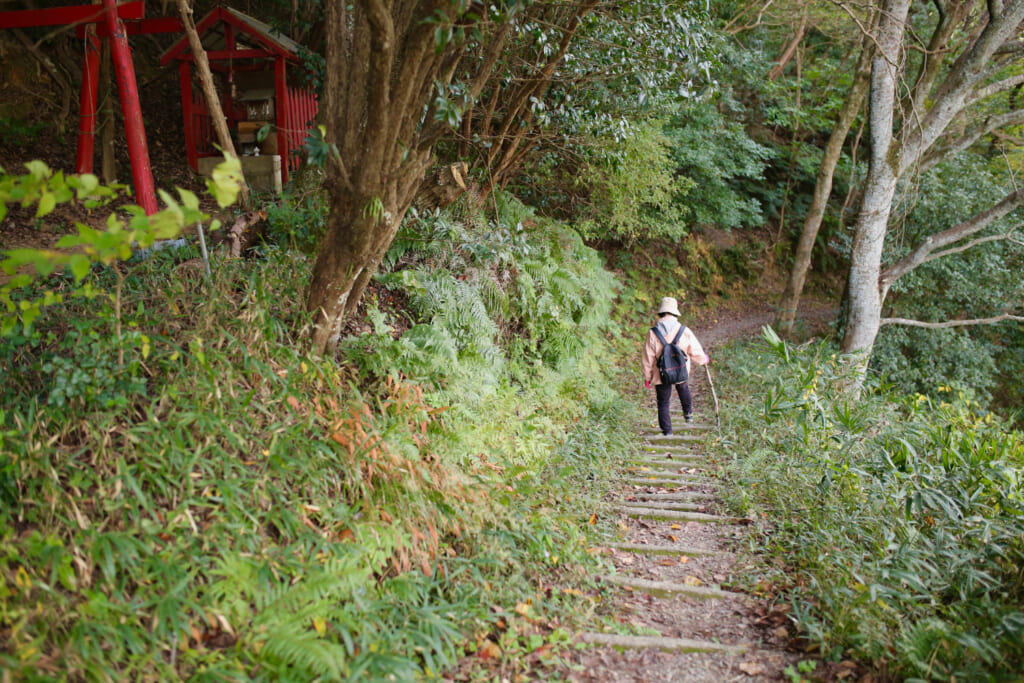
(188, 495)
(895, 524)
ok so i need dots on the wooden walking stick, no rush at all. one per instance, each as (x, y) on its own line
(718, 421)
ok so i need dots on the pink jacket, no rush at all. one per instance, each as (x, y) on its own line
(652, 348)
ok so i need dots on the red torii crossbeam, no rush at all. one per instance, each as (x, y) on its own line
(111, 15)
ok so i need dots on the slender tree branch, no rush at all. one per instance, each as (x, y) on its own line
(731, 30)
(1008, 237)
(1011, 47)
(924, 251)
(951, 323)
(990, 125)
(995, 88)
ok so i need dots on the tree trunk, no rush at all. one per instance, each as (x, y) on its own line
(790, 50)
(790, 302)
(962, 86)
(382, 67)
(865, 293)
(349, 252)
(220, 122)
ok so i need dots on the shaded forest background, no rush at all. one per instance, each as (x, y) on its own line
(726, 160)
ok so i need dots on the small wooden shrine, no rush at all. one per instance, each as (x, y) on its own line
(268, 111)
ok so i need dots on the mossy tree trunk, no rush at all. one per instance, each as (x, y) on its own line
(386, 60)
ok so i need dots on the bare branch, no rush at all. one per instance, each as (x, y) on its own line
(1008, 237)
(951, 323)
(760, 15)
(990, 125)
(791, 48)
(925, 250)
(995, 88)
(1011, 47)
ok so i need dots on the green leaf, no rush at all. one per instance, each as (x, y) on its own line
(87, 184)
(79, 265)
(38, 170)
(189, 199)
(226, 182)
(47, 203)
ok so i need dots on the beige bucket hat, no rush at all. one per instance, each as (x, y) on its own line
(669, 305)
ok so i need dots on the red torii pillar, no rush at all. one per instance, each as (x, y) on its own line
(87, 102)
(135, 131)
(110, 13)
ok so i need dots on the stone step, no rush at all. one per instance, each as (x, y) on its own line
(669, 483)
(663, 643)
(669, 467)
(642, 549)
(665, 464)
(668, 475)
(668, 450)
(668, 589)
(674, 451)
(672, 475)
(683, 496)
(673, 438)
(645, 513)
(679, 506)
(684, 459)
(679, 424)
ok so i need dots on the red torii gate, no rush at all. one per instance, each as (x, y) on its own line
(106, 21)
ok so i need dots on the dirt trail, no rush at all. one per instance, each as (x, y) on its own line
(686, 606)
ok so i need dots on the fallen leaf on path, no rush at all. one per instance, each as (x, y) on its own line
(751, 668)
(489, 650)
(693, 581)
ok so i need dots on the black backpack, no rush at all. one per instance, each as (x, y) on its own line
(672, 361)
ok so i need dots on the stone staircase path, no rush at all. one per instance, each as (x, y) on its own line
(681, 613)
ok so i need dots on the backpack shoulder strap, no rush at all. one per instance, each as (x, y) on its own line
(659, 335)
(679, 333)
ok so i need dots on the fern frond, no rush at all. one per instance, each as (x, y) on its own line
(298, 646)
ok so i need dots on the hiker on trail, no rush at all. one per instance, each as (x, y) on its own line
(674, 333)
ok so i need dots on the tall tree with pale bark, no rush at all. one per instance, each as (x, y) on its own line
(961, 93)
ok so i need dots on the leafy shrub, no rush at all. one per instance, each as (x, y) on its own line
(717, 158)
(633, 190)
(297, 221)
(980, 282)
(259, 514)
(899, 520)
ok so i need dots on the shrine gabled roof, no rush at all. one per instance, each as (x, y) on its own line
(249, 33)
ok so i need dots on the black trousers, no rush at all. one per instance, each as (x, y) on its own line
(664, 394)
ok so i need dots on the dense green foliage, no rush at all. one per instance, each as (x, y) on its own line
(214, 504)
(977, 283)
(896, 524)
